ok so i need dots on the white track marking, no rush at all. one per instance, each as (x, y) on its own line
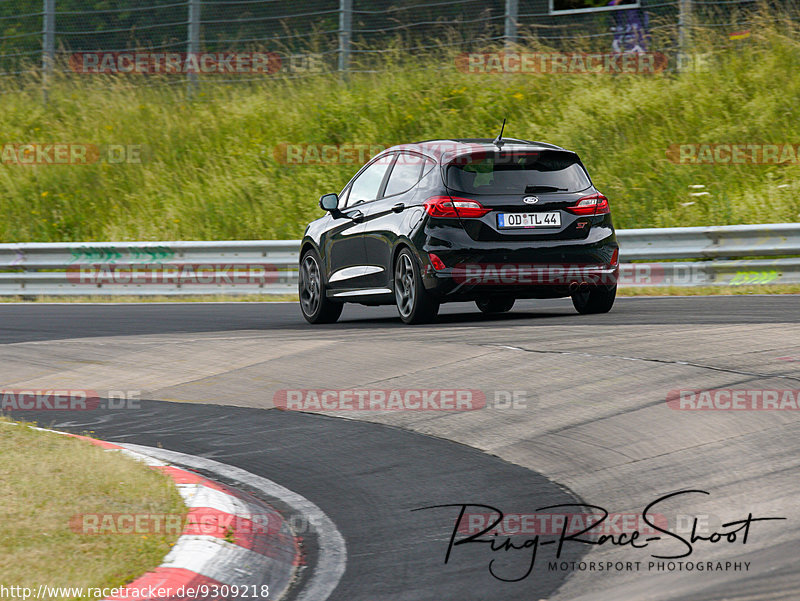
(332, 559)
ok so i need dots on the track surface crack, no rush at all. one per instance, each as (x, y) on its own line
(645, 360)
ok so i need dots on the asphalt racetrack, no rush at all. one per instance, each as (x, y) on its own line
(588, 423)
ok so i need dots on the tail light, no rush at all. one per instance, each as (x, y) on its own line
(436, 262)
(615, 258)
(594, 204)
(453, 206)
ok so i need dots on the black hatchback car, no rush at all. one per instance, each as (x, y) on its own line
(461, 220)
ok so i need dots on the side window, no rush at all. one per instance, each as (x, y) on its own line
(405, 174)
(367, 185)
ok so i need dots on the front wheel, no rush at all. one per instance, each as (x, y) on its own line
(598, 299)
(414, 303)
(316, 307)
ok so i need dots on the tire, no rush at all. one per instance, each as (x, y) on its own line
(496, 304)
(414, 303)
(315, 306)
(598, 299)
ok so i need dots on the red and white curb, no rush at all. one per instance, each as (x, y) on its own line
(204, 566)
(331, 560)
(220, 546)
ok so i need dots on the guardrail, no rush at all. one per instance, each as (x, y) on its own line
(727, 241)
(270, 266)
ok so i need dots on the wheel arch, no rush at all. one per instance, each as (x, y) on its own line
(305, 246)
(398, 247)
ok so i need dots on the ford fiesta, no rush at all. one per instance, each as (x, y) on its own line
(480, 220)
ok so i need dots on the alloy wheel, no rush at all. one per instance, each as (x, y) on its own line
(404, 285)
(310, 285)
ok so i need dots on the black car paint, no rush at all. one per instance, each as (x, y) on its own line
(371, 234)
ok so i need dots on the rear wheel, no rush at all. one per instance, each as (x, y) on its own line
(414, 303)
(495, 304)
(316, 307)
(598, 299)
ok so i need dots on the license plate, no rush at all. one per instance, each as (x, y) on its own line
(511, 220)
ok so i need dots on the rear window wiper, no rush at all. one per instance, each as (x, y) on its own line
(529, 189)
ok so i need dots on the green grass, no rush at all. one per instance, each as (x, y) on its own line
(45, 480)
(210, 170)
(708, 290)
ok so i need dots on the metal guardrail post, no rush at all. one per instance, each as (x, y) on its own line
(684, 33)
(345, 34)
(510, 33)
(48, 45)
(193, 43)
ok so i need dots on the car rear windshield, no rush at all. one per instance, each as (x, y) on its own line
(516, 172)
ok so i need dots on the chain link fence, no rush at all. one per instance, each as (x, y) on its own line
(76, 36)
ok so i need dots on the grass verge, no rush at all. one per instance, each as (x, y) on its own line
(708, 290)
(45, 480)
(216, 167)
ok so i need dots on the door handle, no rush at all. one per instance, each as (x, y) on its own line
(356, 216)
(398, 207)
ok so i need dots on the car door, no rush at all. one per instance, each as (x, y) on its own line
(384, 219)
(344, 245)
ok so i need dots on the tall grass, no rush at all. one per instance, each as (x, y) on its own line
(210, 170)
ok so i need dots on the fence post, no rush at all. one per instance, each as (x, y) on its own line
(48, 44)
(345, 33)
(684, 33)
(193, 43)
(510, 34)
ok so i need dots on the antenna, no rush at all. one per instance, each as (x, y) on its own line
(498, 141)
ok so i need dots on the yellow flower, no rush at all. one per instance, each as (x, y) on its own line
(45, 193)
(518, 96)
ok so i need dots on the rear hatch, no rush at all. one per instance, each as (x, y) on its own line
(526, 190)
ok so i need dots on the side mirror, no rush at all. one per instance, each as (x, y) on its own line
(329, 202)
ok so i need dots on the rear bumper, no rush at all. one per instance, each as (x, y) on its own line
(544, 269)
(469, 281)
